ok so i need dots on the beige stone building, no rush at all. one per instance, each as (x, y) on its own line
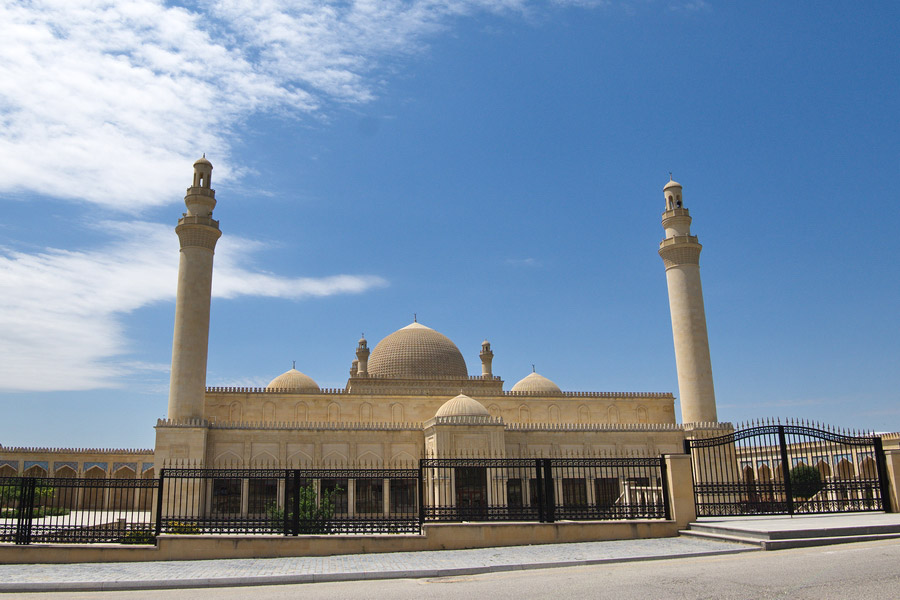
(409, 397)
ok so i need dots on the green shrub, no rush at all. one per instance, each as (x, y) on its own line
(314, 515)
(37, 513)
(139, 536)
(180, 528)
(806, 482)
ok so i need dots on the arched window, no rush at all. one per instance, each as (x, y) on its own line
(301, 412)
(642, 414)
(584, 414)
(334, 412)
(612, 414)
(524, 414)
(554, 413)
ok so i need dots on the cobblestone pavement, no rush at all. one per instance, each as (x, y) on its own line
(260, 571)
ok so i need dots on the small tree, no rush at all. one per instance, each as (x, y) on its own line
(806, 482)
(313, 514)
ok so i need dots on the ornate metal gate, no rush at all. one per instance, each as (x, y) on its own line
(788, 469)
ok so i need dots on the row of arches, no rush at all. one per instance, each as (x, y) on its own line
(334, 413)
(65, 471)
(82, 497)
(585, 414)
(843, 470)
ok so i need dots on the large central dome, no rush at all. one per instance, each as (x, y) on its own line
(417, 352)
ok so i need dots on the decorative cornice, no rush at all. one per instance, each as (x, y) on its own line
(680, 250)
(37, 449)
(594, 427)
(464, 420)
(523, 394)
(319, 426)
(182, 423)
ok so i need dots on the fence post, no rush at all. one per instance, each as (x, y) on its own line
(26, 511)
(786, 470)
(295, 508)
(881, 469)
(549, 492)
(286, 503)
(539, 482)
(159, 503)
(421, 491)
(664, 477)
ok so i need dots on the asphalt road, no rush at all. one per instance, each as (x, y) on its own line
(863, 570)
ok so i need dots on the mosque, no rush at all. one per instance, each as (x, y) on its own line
(410, 396)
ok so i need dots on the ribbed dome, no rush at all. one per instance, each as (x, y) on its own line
(293, 381)
(535, 383)
(671, 184)
(417, 352)
(462, 406)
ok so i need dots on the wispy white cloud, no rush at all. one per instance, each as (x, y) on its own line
(523, 262)
(98, 99)
(61, 311)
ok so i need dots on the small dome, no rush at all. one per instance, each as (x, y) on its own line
(462, 406)
(202, 161)
(672, 184)
(535, 383)
(416, 352)
(293, 381)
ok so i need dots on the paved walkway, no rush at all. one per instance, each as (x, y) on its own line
(268, 571)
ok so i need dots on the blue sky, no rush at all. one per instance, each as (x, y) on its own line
(495, 166)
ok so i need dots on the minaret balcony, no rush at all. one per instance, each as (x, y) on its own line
(678, 240)
(200, 191)
(187, 219)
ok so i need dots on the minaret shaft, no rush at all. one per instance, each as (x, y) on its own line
(197, 234)
(680, 252)
(692, 361)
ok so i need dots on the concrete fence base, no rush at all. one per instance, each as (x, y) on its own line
(443, 536)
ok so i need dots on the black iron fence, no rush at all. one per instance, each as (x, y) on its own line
(545, 489)
(788, 469)
(69, 510)
(331, 500)
(288, 501)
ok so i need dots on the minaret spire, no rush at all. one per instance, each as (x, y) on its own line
(680, 252)
(487, 357)
(197, 233)
(362, 357)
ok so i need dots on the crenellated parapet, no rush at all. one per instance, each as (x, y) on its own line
(50, 450)
(614, 395)
(319, 426)
(555, 427)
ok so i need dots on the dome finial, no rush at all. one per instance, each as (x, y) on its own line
(293, 364)
(415, 318)
(532, 368)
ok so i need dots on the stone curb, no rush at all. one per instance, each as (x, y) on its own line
(211, 582)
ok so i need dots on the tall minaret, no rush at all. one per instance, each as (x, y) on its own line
(198, 234)
(487, 356)
(680, 252)
(362, 358)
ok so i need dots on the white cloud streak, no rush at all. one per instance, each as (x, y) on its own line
(142, 87)
(61, 311)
